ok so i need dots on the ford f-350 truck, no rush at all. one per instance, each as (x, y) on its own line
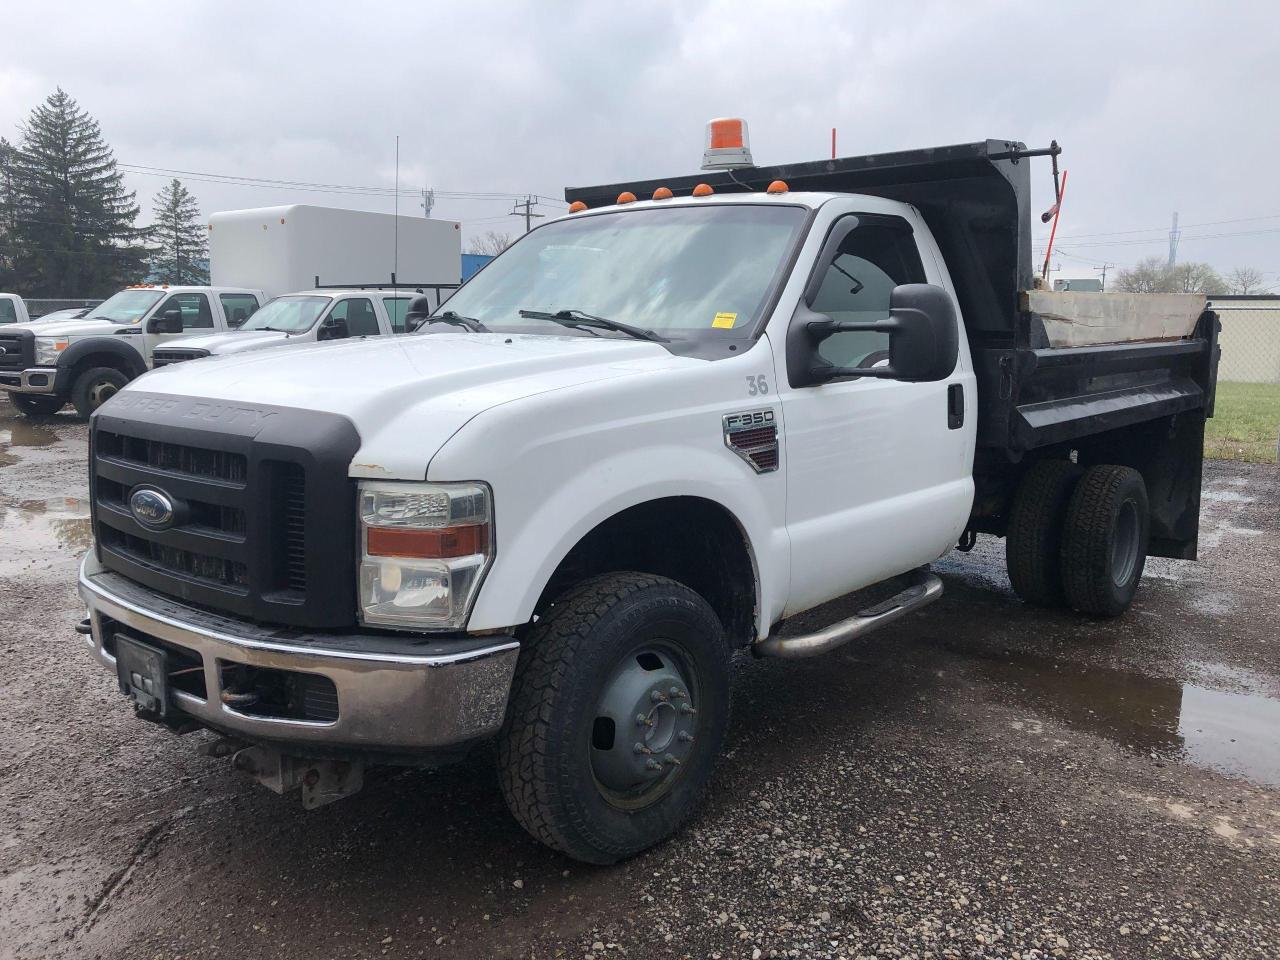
(641, 439)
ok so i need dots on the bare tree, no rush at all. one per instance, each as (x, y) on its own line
(489, 244)
(1244, 280)
(1147, 277)
(1152, 275)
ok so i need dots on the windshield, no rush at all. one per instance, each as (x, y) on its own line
(127, 306)
(683, 272)
(288, 314)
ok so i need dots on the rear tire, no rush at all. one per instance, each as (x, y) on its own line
(618, 709)
(37, 405)
(1104, 546)
(95, 387)
(1033, 542)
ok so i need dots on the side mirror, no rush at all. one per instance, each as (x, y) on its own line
(168, 322)
(335, 328)
(924, 341)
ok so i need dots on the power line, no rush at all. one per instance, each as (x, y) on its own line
(1164, 230)
(528, 203)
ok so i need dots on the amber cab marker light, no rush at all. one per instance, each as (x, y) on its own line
(626, 196)
(663, 193)
(778, 186)
(577, 206)
(703, 190)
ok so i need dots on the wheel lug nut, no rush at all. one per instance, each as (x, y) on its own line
(669, 758)
(641, 720)
(658, 696)
(678, 693)
(687, 708)
(641, 748)
(652, 765)
(686, 736)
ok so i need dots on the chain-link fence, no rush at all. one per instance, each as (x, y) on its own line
(38, 307)
(1246, 417)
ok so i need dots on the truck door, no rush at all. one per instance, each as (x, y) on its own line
(879, 475)
(197, 318)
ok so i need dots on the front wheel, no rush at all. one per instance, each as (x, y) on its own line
(36, 405)
(618, 710)
(95, 387)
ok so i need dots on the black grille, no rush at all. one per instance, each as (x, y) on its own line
(173, 457)
(162, 358)
(295, 526)
(19, 350)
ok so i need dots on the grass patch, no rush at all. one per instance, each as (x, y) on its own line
(1246, 419)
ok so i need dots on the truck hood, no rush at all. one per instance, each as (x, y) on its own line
(72, 328)
(405, 395)
(221, 344)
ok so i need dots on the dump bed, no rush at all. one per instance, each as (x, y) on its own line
(1052, 367)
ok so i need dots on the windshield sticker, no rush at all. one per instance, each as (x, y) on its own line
(724, 321)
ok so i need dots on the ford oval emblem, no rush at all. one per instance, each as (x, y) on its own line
(151, 508)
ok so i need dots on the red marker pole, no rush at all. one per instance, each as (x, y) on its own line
(1057, 212)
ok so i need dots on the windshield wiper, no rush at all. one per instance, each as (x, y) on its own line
(576, 318)
(457, 320)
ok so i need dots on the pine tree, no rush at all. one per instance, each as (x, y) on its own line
(7, 238)
(73, 232)
(179, 242)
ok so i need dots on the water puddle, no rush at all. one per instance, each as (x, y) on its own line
(1230, 732)
(36, 529)
(19, 434)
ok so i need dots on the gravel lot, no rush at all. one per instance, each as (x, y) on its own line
(982, 780)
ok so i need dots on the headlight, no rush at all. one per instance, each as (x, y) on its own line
(425, 548)
(47, 350)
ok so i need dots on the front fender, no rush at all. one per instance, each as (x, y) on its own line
(80, 350)
(602, 455)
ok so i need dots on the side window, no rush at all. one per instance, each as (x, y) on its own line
(397, 307)
(8, 312)
(358, 312)
(238, 307)
(877, 255)
(196, 314)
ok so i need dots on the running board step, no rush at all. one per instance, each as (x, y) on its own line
(926, 589)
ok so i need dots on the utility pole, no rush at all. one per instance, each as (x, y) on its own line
(1103, 270)
(528, 203)
(1174, 234)
(428, 201)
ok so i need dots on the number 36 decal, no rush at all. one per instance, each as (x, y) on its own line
(757, 386)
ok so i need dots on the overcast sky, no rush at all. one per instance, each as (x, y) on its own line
(1159, 106)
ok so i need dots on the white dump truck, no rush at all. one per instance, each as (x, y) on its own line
(637, 442)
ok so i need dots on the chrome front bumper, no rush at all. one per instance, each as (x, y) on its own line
(395, 693)
(31, 380)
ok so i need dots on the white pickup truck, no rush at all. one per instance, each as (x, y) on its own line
(638, 441)
(313, 316)
(45, 365)
(12, 309)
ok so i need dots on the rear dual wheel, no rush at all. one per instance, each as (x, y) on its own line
(1078, 537)
(618, 710)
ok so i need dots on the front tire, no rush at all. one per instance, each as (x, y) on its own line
(1104, 545)
(37, 405)
(618, 710)
(95, 387)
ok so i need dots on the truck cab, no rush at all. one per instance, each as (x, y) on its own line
(640, 440)
(87, 361)
(313, 316)
(12, 309)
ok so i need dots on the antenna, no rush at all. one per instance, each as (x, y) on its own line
(395, 256)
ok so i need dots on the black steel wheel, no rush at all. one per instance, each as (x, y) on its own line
(617, 713)
(1104, 543)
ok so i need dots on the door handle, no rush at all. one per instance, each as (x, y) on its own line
(955, 406)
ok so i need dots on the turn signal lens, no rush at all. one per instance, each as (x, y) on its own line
(443, 544)
(577, 206)
(778, 186)
(703, 190)
(663, 193)
(626, 196)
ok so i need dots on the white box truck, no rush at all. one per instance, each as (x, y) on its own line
(285, 249)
